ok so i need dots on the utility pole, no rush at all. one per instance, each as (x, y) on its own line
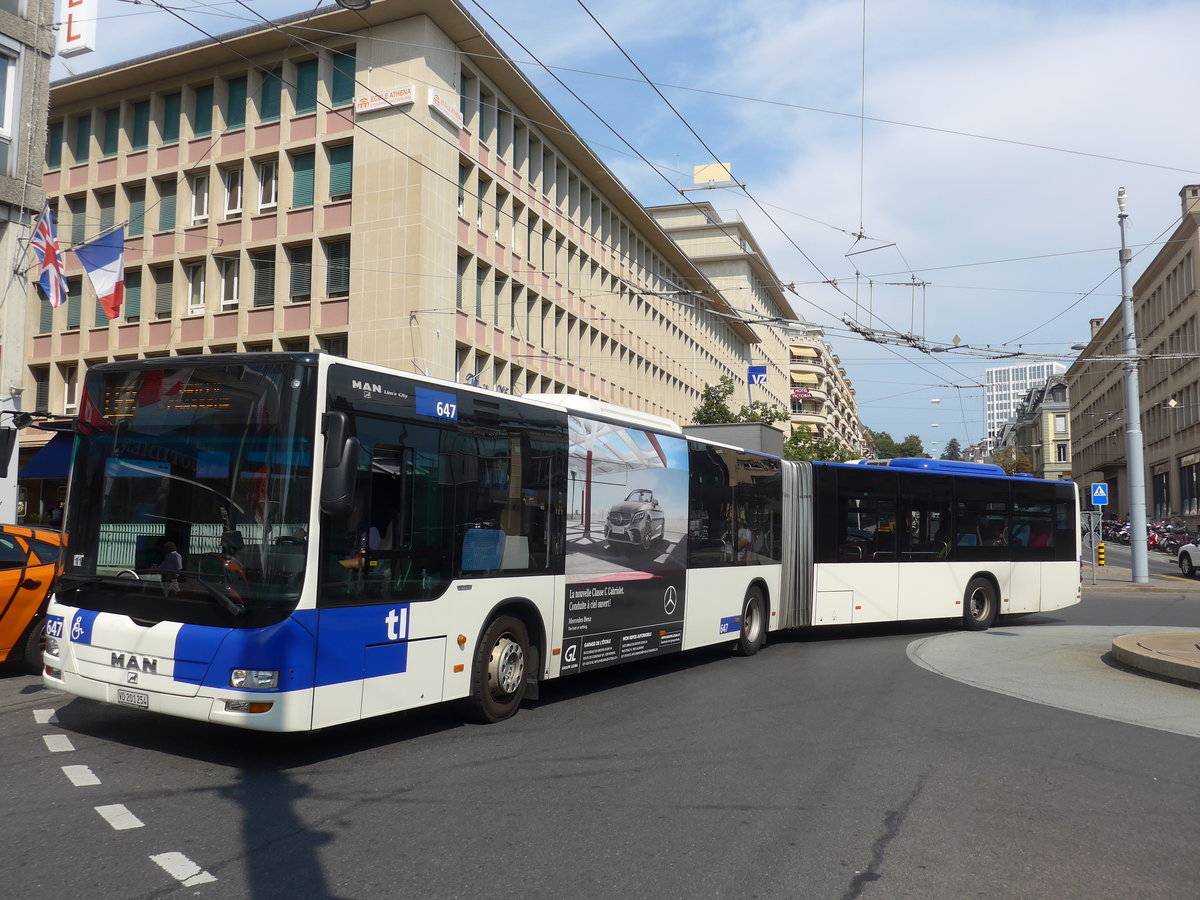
(1135, 464)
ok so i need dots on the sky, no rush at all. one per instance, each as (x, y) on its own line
(972, 149)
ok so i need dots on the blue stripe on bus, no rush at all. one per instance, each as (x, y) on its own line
(730, 625)
(355, 643)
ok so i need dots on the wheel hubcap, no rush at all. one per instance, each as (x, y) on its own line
(750, 623)
(979, 603)
(506, 669)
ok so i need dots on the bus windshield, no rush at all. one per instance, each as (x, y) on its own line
(190, 489)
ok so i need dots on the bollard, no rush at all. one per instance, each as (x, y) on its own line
(1100, 554)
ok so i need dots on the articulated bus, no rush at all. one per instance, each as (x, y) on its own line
(286, 542)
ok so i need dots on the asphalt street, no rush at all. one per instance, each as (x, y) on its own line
(900, 761)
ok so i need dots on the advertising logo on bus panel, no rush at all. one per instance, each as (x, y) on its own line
(626, 544)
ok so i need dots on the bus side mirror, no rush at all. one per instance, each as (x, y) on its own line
(341, 466)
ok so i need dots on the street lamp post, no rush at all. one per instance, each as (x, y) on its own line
(1135, 468)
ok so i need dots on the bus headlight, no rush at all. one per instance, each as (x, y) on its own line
(254, 679)
(52, 646)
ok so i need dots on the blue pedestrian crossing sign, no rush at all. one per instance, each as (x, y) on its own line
(1100, 493)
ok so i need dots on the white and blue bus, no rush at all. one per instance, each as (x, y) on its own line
(287, 542)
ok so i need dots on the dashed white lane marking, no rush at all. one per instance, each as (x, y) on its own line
(119, 817)
(45, 716)
(183, 869)
(81, 776)
(58, 743)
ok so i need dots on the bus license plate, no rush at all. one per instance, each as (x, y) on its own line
(133, 698)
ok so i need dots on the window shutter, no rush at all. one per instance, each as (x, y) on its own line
(235, 102)
(172, 106)
(302, 179)
(54, 144)
(83, 137)
(342, 89)
(264, 279)
(133, 295)
(162, 293)
(337, 275)
(272, 84)
(74, 298)
(341, 170)
(45, 317)
(166, 205)
(300, 287)
(202, 120)
(306, 86)
(137, 210)
(112, 131)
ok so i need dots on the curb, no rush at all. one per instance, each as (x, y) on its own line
(1172, 655)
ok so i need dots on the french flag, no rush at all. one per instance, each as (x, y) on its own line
(103, 259)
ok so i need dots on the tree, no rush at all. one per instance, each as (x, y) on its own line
(713, 408)
(885, 447)
(1012, 460)
(953, 450)
(805, 446)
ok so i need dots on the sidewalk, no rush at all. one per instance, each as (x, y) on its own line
(1117, 577)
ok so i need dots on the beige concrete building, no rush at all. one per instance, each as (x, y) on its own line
(1041, 429)
(26, 42)
(822, 396)
(385, 185)
(1166, 307)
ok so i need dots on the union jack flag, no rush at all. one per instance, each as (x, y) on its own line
(52, 276)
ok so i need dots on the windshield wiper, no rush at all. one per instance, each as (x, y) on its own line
(233, 607)
(69, 582)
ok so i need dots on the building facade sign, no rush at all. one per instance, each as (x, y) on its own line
(446, 107)
(401, 96)
(77, 32)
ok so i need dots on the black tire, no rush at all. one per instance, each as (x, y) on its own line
(499, 671)
(31, 646)
(754, 624)
(1185, 565)
(980, 606)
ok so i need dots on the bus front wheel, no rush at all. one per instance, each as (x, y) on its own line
(980, 606)
(498, 676)
(754, 624)
(34, 641)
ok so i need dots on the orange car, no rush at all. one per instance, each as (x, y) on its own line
(29, 560)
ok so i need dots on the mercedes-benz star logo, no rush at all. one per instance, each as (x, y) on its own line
(669, 601)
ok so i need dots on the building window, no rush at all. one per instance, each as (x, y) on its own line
(263, 263)
(172, 108)
(341, 88)
(107, 201)
(45, 316)
(334, 345)
(163, 306)
(166, 204)
(229, 268)
(306, 86)
(100, 317)
(300, 276)
(232, 179)
(202, 110)
(303, 166)
(1060, 423)
(77, 207)
(41, 388)
(199, 199)
(81, 140)
(74, 302)
(268, 183)
(297, 345)
(272, 90)
(1162, 495)
(337, 273)
(133, 295)
(139, 137)
(136, 194)
(1060, 451)
(195, 279)
(341, 171)
(235, 102)
(1189, 489)
(70, 377)
(9, 61)
(112, 132)
(54, 144)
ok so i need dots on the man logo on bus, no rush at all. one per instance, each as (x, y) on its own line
(366, 386)
(397, 625)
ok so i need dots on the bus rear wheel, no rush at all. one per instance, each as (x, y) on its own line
(498, 675)
(754, 624)
(979, 605)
